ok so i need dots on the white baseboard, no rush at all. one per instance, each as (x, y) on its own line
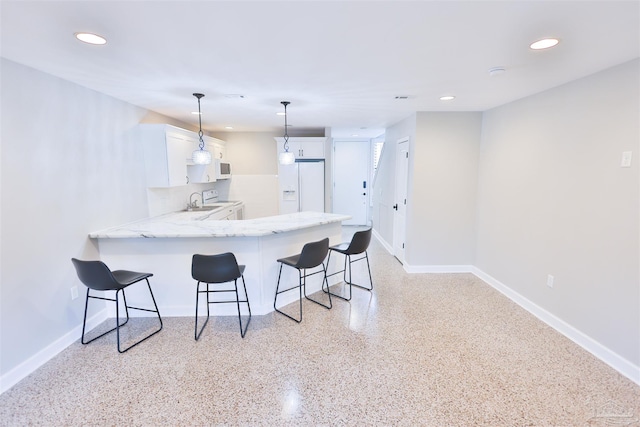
(603, 353)
(383, 242)
(24, 369)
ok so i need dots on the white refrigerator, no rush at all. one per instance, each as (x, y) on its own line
(301, 186)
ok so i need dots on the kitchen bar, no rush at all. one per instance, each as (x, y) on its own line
(164, 246)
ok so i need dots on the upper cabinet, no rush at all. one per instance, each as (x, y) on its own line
(304, 147)
(166, 152)
(167, 155)
(219, 149)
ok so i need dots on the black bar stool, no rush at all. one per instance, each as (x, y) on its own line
(220, 268)
(312, 255)
(97, 276)
(358, 245)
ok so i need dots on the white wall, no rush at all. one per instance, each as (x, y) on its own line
(254, 168)
(69, 166)
(441, 206)
(553, 199)
(442, 191)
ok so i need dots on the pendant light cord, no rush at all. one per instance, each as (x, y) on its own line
(199, 95)
(286, 127)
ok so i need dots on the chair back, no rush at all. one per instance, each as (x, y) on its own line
(313, 254)
(95, 275)
(359, 242)
(215, 268)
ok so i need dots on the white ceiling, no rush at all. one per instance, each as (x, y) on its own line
(340, 63)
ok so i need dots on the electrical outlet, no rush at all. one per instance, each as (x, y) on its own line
(74, 292)
(550, 281)
(626, 159)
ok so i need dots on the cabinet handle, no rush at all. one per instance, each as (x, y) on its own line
(187, 179)
(208, 178)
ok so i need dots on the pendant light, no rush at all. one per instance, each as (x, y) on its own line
(200, 156)
(286, 158)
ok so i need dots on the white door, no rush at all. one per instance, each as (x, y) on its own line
(311, 186)
(400, 202)
(351, 184)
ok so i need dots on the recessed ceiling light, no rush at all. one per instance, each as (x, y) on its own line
(280, 114)
(354, 134)
(196, 113)
(447, 98)
(90, 38)
(544, 44)
(228, 127)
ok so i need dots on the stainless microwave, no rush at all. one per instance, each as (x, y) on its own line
(223, 169)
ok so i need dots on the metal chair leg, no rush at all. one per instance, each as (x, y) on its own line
(127, 307)
(197, 335)
(366, 256)
(344, 279)
(84, 322)
(286, 290)
(242, 333)
(347, 259)
(324, 279)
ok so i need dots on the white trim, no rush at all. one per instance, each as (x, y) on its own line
(603, 353)
(383, 242)
(29, 366)
(438, 268)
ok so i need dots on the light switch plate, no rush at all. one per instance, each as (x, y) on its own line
(626, 159)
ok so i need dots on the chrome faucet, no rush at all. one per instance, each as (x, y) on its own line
(193, 204)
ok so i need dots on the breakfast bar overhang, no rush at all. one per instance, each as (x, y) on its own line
(164, 246)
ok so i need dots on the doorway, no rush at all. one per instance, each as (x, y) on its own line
(351, 161)
(400, 199)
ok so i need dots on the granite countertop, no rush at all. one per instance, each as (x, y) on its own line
(201, 224)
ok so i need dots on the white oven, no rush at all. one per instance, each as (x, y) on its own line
(223, 169)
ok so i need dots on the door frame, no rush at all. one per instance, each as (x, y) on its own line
(401, 185)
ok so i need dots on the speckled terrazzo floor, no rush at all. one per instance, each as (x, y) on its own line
(422, 349)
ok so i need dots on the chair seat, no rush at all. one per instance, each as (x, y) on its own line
(126, 277)
(291, 261)
(342, 247)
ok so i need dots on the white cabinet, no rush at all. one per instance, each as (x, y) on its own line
(304, 147)
(230, 212)
(167, 149)
(219, 149)
(167, 155)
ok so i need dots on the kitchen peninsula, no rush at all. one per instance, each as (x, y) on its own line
(164, 245)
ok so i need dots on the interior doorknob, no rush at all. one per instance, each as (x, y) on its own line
(395, 206)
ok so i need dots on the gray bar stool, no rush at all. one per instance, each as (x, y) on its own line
(312, 255)
(97, 276)
(359, 244)
(220, 268)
